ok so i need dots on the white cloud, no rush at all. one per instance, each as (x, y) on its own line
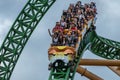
(108, 19)
(112, 7)
(4, 27)
(4, 24)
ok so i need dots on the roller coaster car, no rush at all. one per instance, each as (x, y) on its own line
(64, 54)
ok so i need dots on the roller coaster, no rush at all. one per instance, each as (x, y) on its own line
(66, 57)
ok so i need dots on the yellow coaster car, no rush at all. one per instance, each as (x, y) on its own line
(62, 53)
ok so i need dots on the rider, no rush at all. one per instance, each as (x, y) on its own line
(54, 38)
(57, 27)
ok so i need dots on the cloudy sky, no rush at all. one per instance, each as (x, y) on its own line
(33, 63)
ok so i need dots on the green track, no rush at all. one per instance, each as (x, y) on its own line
(105, 48)
(67, 73)
(22, 29)
(20, 33)
(100, 46)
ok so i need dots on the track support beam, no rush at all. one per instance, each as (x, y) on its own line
(98, 62)
(115, 69)
(88, 74)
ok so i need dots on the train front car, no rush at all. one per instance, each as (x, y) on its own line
(61, 54)
(68, 32)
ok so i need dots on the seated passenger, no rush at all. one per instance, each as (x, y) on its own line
(79, 3)
(76, 19)
(57, 27)
(69, 11)
(79, 12)
(65, 37)
(74, 38)
(75, 9)
(60, 40)
(83, 27)
(63, 24)
(92, 5)
(64, 13)
(72, 15)
(81, 18)
(63, 18)
(69, 39)
(68, 20)
(54, 38)
(71, 6)
(79, 26)
(64, 41)
(73, 27)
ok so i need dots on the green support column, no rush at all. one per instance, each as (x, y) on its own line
(19, 34)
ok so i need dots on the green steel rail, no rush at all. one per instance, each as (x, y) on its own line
(105, 48)
(19, 34)
(22, 29)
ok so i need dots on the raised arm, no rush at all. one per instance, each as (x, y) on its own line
(49, 32)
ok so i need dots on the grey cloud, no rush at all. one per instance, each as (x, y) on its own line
(33, 62)
(11, 8)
